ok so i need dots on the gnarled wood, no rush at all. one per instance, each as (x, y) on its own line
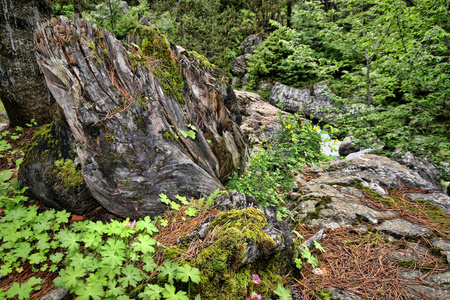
(123, 106)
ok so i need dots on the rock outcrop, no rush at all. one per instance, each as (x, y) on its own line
(260, 121)
(145, 119)
(424, 167)
(332, 200)
(22, 86)
(309, 101)
(372, 195)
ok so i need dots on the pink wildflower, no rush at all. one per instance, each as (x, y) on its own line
(131, 224)
(256, 279)
(254, 296)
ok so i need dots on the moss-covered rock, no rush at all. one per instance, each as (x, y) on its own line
(225, 265)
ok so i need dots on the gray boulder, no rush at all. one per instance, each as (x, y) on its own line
(260, 120)
(23, 91)
(329, 200)
(347, 147)
(57, 294)
(239, 66)
(251, 42)
(424, 167)
(310, 101)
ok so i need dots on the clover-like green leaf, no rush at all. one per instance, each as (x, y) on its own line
(114, 290)
(5, 269)
(42, 245)
(88, 292)
(175, 206)
(62, 216)
(5, 175)
(319, 246)
(191, 212)
(147, 224)
(13, 290)
(144, 244)
(132, 276)
(112, 258)
(72, 276)
(149, 264)
(115, 244)
(283, 293)
(186, 273)
(37, 258)
(152, 292)
(182, 200)
(22, 250)
(169, 269)
(91, 239)
(164, 199)
(96, 278)
(69, 240)
(98, 227)
(164, 222)
(169, 293)
(56, 257)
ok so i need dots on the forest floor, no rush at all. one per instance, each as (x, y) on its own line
(355, 261)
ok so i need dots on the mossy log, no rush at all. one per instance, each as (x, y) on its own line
(146, 119)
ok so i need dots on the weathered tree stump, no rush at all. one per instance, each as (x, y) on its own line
(146, 119)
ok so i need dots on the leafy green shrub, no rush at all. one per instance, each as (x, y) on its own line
(271, 170)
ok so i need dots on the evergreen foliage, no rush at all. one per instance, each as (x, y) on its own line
(387, 59)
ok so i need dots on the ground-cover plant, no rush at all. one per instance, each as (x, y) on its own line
(271, 170)
(99, 260)
(93, 260)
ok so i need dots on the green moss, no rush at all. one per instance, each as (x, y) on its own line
(313, 214)
(416, 265)
(65, 170)
(169, 135)
(42, 142)
(93, 49)
(172, 252)
(154, 46)
(223, 275)
(44, 132)
(203, 60)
